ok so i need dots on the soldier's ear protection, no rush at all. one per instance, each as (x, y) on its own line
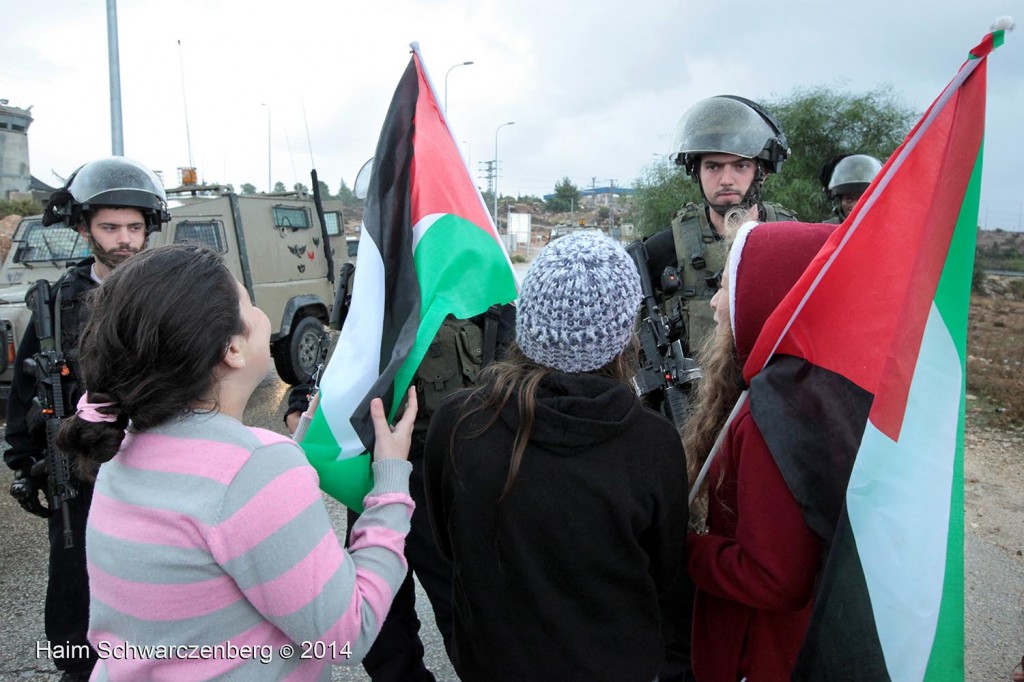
(60, 205)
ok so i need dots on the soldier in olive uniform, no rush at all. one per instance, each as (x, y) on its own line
(845, 178)
(728, 145)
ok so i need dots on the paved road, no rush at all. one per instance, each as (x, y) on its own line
(994, 585)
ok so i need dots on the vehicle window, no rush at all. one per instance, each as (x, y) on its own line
(295, 217)
(50, 243)
(332, 221)
(353, 247)
(207, 232)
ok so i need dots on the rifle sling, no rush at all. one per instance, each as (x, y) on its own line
(491, 318)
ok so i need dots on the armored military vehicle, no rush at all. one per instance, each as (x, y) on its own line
(37, 252)
(273, 243)
(276, 247)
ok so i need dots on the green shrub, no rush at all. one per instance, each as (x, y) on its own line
(22, 208)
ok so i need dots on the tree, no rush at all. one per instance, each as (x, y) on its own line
(299, 187)
(325, 191)
(567, 195)
(279, 187)
(660, 191)
(346, 195)
(821, 123)
(248, 188)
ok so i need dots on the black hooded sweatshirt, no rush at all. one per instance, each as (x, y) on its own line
(561, 579)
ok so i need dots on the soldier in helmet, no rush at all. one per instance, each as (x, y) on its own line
(114, 204)
(728, 145)
(845, 178)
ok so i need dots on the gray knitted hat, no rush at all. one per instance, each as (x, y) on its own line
(578, 303)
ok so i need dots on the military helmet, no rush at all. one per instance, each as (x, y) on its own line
(113, 182)
(727, 124)
(852, 175)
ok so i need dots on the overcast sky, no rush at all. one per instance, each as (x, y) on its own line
(595, 88)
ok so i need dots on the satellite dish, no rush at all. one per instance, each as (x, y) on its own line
(362, 183)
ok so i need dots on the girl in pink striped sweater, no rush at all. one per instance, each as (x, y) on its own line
(210, 551)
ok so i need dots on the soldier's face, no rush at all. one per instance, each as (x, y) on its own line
(725, 178)
(847, 202)
(114, 234)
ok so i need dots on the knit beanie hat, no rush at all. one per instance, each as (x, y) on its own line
(578, 304)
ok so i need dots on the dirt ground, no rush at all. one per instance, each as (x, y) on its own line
(994, 440)
(994, 487)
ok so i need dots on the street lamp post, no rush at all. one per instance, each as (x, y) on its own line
(510, 123)
(270, 186)
(446, 82)
(114, 62)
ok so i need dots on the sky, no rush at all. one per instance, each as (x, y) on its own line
(594, 89)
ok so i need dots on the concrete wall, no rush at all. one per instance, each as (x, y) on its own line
(14, 169)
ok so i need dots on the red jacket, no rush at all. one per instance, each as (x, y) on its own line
(755, 568)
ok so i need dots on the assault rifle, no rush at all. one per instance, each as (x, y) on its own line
(665, 375)
(49, 366)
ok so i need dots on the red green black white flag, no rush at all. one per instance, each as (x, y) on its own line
(428, 249)
(880, 318)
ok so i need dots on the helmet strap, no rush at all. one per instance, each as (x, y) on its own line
(109, 259)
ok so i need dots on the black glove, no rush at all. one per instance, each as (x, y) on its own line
(26, 488)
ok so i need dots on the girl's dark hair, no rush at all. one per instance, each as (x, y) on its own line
(160, 323)
(518, 378)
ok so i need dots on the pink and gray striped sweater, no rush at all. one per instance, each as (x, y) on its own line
(211, 552)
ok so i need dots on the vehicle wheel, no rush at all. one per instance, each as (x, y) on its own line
(295, 355)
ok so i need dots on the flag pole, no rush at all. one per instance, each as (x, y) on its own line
(714, 448)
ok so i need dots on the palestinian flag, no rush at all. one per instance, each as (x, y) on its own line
(428, 249)
(869, 347)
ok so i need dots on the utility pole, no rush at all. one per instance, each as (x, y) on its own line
(489, 172)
